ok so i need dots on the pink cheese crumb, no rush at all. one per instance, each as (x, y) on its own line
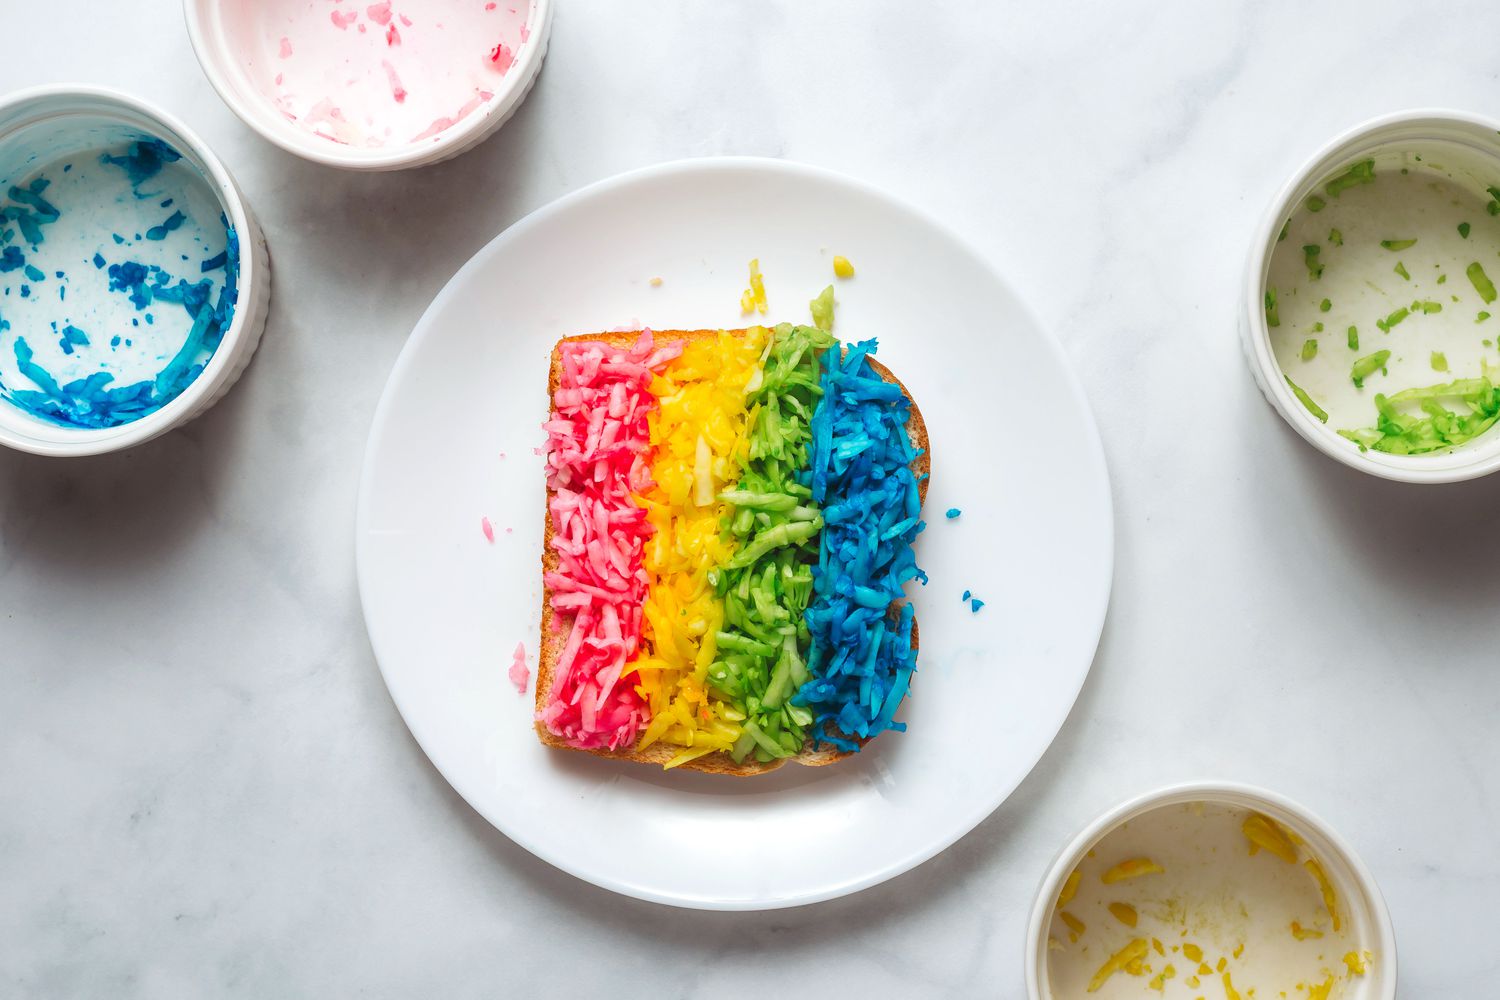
(488, 529)
(501, 58)
(525, 33)
(405, 21)
(398, 92)
(363, 29)
(279, 78)
(520, 676)
(490, 6)
(286, 47)
(342, 19)
(380, 13)
(392, 36)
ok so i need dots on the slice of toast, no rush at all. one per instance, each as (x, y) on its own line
(554, 633)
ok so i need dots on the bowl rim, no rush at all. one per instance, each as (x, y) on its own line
(97, 441)
(1407, 469)
(1066, 859)
(450, 141)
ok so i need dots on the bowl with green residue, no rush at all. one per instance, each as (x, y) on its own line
(134, 282)
(1369, 293)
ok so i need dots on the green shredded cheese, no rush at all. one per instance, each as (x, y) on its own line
(1398, 244)
(1272, 318)
(1316, 204)
(1309, 349)
(1353, 338)
(1391, 320)
(1463, 230)
(1481, 282)
(1307, 401)
(1439, 361)
(1335, 237)
(1310, 253)
(1400, 269)
(1367, 366)
(1362, 172)
(1399, 433)
(822, 310)
(1325, 305)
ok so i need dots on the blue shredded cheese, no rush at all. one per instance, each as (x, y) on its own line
(861, 658)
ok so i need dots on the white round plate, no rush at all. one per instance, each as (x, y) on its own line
(1014, 446)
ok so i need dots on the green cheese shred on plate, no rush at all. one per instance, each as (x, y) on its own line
(1272, 317)
(1354, 338)
(1309, 350)
(1398, 244)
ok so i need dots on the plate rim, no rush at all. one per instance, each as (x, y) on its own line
(1096, 605)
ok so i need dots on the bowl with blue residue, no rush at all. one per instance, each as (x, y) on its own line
(134, 282)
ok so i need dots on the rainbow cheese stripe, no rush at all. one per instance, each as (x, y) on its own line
(732, 520)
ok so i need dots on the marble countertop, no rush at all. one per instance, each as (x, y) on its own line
(204, 787)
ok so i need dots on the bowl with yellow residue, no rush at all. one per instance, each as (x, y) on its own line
(1210, 890)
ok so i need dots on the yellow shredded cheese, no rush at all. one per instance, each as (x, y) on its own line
(1133, 868)
(1325, 887)
(754, 297)
(1129, 955)
(1264, 832)
(1069, 889)
(1303, 933)
(698, 436)
(842, 268)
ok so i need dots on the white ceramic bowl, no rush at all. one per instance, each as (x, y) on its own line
(85, 108)
(1473, 142)
(1352, 881)
(218, 54)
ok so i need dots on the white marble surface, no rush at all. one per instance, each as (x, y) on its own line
(204, 788)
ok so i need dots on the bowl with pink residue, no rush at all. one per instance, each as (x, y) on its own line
(364, 85)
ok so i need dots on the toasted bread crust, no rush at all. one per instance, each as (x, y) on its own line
(554, 631)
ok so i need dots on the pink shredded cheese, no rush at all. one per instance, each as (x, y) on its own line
(398, 92)
(488, 529)
(520, 676)
(597, 443)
